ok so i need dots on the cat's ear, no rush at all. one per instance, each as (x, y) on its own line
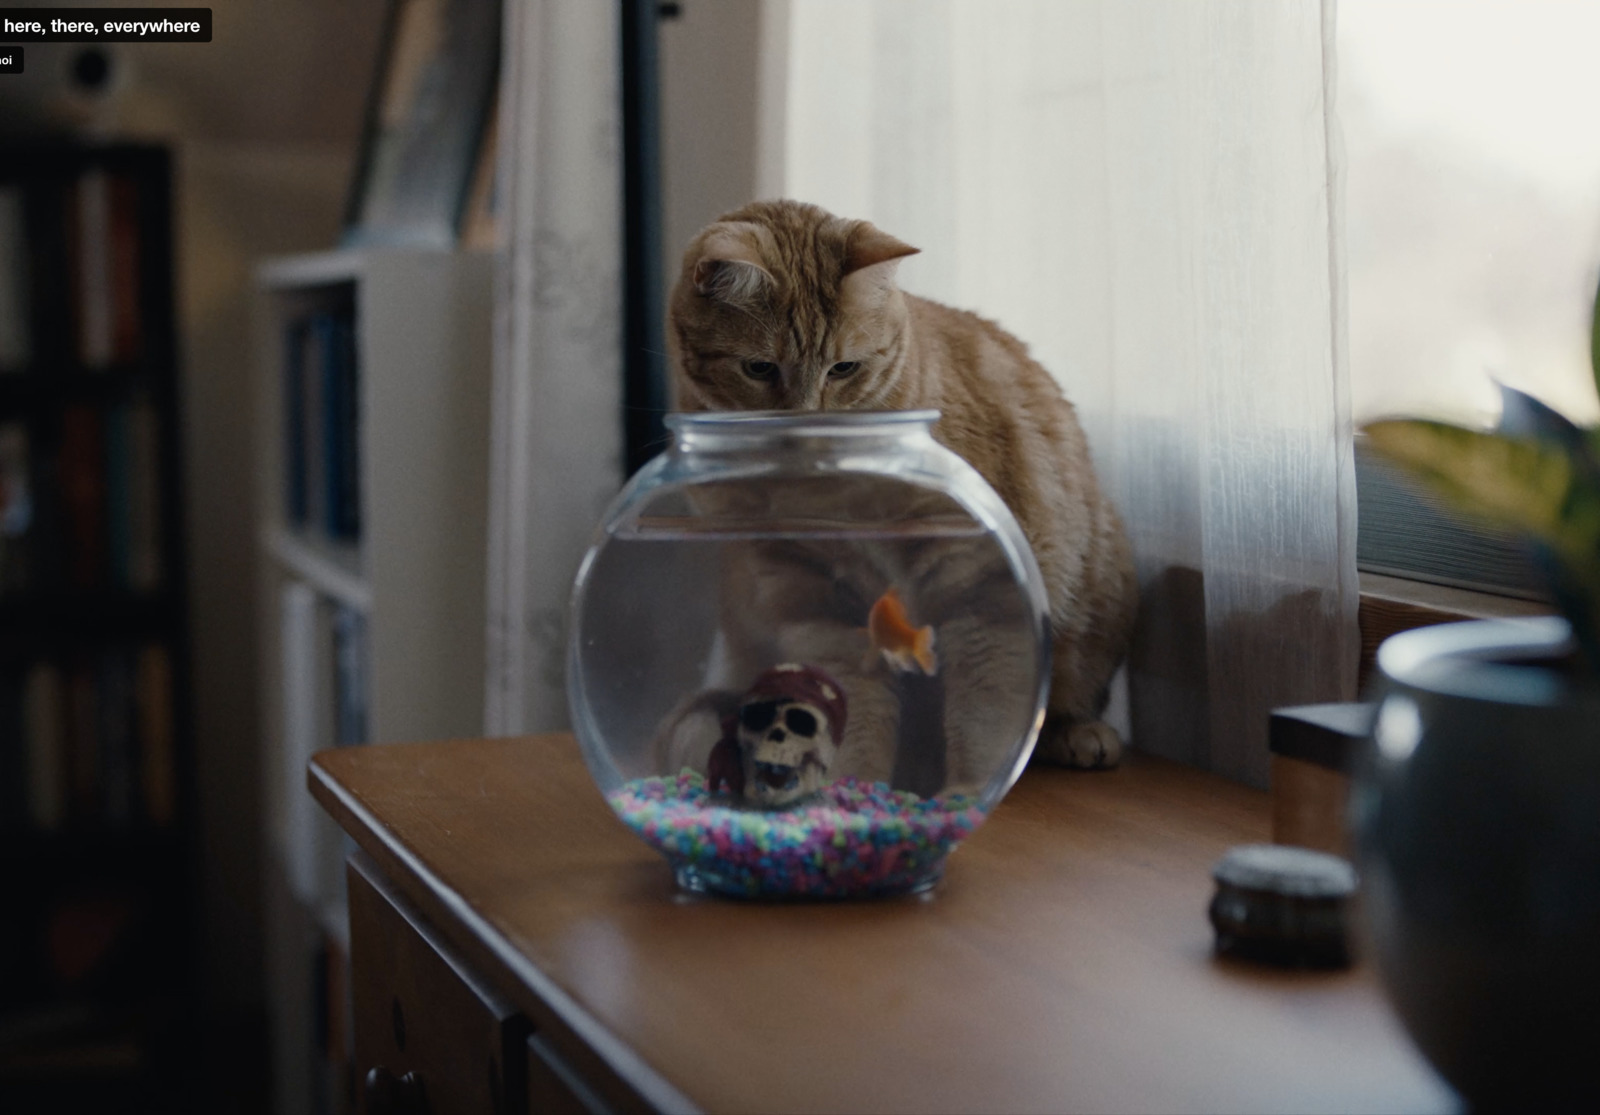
(728, 267)
(870, 245)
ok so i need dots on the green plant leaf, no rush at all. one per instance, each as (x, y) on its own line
(1515, 482)
(1532, 486)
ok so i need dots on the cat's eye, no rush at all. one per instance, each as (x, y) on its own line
(844, 368)
(760, 369)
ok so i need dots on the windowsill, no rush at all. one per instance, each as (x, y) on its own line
(1393, 604)
(1459, 602)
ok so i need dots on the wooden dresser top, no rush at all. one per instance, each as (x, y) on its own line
(1064, 963)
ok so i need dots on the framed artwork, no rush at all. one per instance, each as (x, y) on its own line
(435, 84)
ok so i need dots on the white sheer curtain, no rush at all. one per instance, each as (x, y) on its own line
(556, 456)
(1147, 192)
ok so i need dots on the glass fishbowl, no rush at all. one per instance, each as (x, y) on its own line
(808, 653)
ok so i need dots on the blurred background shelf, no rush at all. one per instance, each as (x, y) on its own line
(34, 386)
(372, 404)
(97, 792)
(333, 569)
(116, 850)
(315, 269)
(63, 615)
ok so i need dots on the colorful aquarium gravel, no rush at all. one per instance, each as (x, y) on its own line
(853, 838)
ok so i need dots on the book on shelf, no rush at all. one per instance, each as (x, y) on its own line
(321, 392)
(114, 701)
(90, 234)
(83, 494)
(45, 725)
(158, 768)
(314, 418)
(350, 676)
(118, 492)
(16, 326)
(145, 570)
(324, 675)
(13, 760)
(88, 513)
(90, 739)
(16, 506)
(345, 522)
(304, 459)
(81, 276)
(297, 505)
(82, 746)
(306, 842)
(103, 229)
(44, 543)
(133, 446)
(303, 839)
(127, 317)
(325, 328)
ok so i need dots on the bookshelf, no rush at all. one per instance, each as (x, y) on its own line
(373, 417)
(96, 761)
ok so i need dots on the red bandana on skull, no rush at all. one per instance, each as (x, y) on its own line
(802, 683)
(799, 695)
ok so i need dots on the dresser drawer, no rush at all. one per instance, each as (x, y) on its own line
(430, 1037)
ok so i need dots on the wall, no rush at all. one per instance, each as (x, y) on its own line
(709, 117)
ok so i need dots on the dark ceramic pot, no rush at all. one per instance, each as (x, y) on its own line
(1477, 818)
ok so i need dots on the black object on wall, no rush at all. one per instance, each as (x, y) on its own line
(644, 384)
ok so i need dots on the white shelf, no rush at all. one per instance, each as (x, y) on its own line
(332, 571)
(314, 269)
(423, 324)
(346, 265)
(422, 321)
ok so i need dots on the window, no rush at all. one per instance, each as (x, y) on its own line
(1473, 217)
(1473, 202)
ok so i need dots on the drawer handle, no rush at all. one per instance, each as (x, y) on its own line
(388, 1094)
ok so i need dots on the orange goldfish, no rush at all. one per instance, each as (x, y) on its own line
(904, 647)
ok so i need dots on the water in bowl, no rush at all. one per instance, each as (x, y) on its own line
(683, 614)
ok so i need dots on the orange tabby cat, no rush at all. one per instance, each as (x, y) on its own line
(783, 306)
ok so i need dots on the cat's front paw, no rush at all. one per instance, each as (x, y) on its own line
(1092, 746)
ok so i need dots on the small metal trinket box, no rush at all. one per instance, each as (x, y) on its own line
(1283, 905)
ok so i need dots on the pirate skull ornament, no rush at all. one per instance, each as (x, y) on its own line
(779, 745)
